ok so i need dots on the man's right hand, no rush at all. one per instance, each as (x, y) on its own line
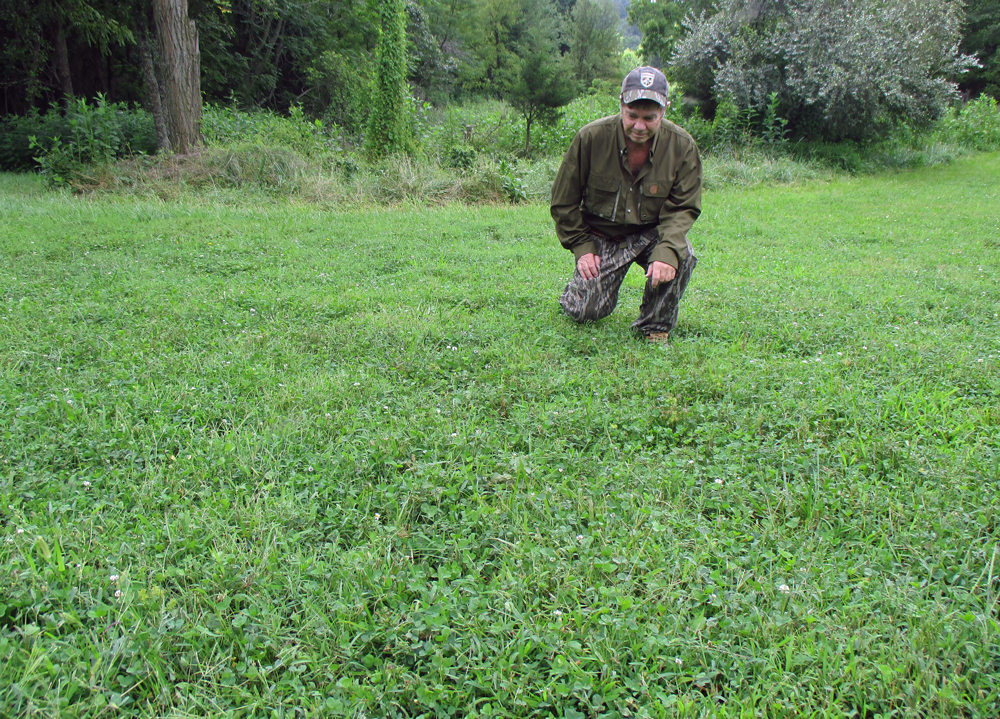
(589, 265)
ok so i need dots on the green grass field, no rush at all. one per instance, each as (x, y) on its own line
(263, 460)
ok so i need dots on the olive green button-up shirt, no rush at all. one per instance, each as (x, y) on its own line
(594, 189)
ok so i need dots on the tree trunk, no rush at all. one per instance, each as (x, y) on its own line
(102, 74)
(62, 64)
(153, 91)
(178, 43)
(527, 135)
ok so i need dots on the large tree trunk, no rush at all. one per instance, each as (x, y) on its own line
(153, 92)
(178, 42)
(62, 64)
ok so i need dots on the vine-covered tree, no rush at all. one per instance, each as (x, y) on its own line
(388, 129)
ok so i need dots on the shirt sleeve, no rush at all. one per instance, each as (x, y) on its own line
(567, 194)
(681, 209)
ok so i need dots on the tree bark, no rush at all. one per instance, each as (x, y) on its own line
(178, 43)
(153, 91)
(102, 74)
(62, 64)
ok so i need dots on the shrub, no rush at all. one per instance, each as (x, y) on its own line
(95, 135)
(86, 133)
(461, 157)
(975, 125)
(847, 69)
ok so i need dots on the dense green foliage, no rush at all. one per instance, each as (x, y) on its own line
(662, 25)
(93, 132)
(853, 69)
(265, 460)
(471, 152)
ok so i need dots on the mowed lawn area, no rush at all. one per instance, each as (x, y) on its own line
(260, 459)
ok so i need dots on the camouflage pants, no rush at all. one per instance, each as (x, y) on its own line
(590, 300)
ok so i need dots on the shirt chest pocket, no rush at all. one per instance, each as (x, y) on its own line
(653, 194)
(603, 192)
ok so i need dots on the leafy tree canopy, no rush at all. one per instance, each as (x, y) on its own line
(982, 39)
(841, 69)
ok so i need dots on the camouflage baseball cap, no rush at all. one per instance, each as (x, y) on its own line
(645, 83)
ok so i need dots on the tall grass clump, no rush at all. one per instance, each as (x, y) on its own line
(223, 126)
(748, 166)
(975, 125)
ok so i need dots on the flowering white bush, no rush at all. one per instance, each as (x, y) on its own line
(842, 69)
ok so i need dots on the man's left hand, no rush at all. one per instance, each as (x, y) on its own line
(660, 272)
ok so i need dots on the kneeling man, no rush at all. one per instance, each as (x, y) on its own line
(629, 190)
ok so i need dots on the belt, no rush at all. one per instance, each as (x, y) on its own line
(619, 238)
(616, 238)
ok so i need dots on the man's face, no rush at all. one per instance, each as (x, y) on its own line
(641, 122)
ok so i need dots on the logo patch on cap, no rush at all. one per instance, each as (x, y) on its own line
(646, 78)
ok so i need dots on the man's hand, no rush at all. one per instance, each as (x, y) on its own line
(589, 265)
(659, 272)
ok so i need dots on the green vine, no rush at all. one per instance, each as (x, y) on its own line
(388, 130)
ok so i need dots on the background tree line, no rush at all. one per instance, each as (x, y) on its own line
(832, 69)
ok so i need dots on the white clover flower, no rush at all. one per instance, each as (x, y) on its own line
(678, 661)
(114, 577)
(20, 530)
(118, 593)
(784, 588)
(377, 516)
(86, 483)
(557, 613)
(718, 481)
(579, 537)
